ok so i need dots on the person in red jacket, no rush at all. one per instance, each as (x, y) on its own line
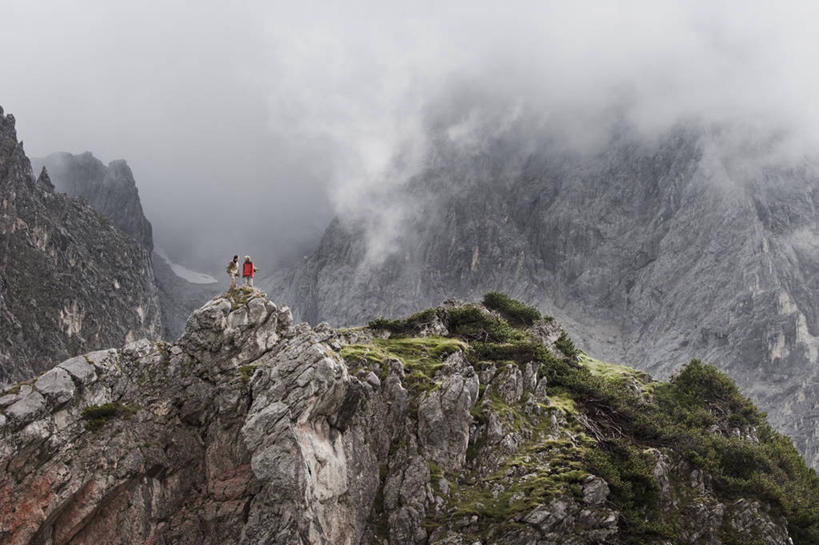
(247, 271)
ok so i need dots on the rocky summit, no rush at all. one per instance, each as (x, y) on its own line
(70, 281)
(464, 424)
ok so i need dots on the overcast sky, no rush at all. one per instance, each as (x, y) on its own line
(249, 124)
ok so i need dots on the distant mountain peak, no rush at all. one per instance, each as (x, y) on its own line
(110, 189)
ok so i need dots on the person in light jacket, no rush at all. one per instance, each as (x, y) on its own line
(233, 271)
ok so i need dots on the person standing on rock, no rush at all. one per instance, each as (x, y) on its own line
(247, 271)
(233, 271)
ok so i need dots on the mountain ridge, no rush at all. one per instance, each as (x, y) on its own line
(112, 190)
(71, 281)
(653, 252)
(450, 426)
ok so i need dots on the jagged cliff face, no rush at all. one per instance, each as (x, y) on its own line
(111, 190)
(69, 280)
(649, 253)
(253, 430)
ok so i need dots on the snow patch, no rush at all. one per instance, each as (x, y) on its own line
(185, 273)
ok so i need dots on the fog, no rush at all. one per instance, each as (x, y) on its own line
(248, 125)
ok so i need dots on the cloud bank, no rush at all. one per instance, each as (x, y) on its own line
(250, 124)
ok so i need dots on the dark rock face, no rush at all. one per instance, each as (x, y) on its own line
(111, 190)
(252, 430)
(69, 280)
(649, 253)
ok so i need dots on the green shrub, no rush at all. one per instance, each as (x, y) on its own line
(472, 323)
(565, 345)
(771, 471)
(95, 416)
(705, 385)
(405, 327)
(630, 474)
(514, 311)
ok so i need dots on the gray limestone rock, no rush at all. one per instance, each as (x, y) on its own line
(595, 490)
(56, 385)
(444, 418)
(102, 359)
(8, 399)
(749, 519)
(79, 369)
(28, 407)
(509, 383)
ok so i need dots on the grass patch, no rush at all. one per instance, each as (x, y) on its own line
(15, 389)
(421, 358)
(501, 497)
(246, 372)
(563, 401)
(610, 371)
(360, 356)
(435, 476)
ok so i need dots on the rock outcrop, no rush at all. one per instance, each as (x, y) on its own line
(69, 280)
(253, 430)
(651, 253)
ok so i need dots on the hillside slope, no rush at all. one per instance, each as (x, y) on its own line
(649, 252)
(69, 280)
(450, 427)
